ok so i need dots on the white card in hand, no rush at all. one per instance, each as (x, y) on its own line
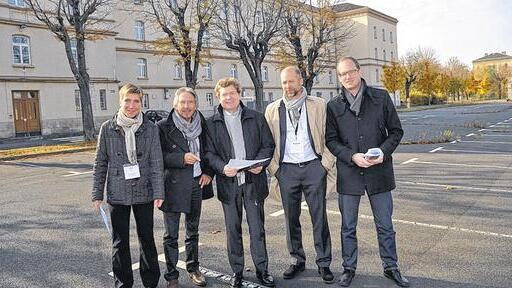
(131, 171)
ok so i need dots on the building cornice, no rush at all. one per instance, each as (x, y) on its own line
(42, 79)
(25, 24)
(369, 11)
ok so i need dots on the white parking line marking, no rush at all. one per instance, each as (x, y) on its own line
(492, 126)
(470, 134)
(435, 150)
(409, 161)
(75, 173)
(495, 135)
(464, 141)
(442, 227)
(481, 130)
(161, 258)
(277, 213)
(475, 151)
(414, 160)
(455, 187)
(219, 276)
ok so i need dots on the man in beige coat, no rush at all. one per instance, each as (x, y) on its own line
(300, 164)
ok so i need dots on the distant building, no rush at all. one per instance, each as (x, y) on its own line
(496, 60)
(39, 96)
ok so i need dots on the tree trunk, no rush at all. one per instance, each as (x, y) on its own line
(308, 84)
(407, 94)
(87, 115)
(258, 94)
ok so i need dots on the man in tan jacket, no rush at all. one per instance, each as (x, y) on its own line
(300, 165)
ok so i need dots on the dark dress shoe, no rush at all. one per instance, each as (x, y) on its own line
(326, 274)
(395, 275)
(346, 277)
(265, 279)
(236, 280)
(293, 270)
(197, 278)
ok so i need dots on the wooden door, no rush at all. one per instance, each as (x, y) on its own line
(26, 112)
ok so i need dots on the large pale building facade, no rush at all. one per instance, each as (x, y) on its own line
(39, 96)
(497, 61)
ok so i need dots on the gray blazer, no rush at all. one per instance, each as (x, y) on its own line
(111, 156)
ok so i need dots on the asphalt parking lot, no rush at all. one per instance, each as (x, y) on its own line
(452, 215)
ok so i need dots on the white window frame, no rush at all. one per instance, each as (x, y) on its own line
(234, 71)
(374, 32)
(383, 35)
(331, 78)
(17, 3)
(142, 68)
(208, 71)
(377, 76)
(392, 56)
(78, 100)
(319, 94)
(264, 74)
(20, 46)
(74, 51)
(178, 71)
(384, 54)
(140, 33)
(391, 37)
(376, 54)
(209, 98)
(206, 38)
(145, 101)
(103, 99)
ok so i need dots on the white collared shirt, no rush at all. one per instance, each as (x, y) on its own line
(298, 148)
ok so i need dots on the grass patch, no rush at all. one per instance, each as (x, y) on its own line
(443, 137)
(45, 150)
(475, 124)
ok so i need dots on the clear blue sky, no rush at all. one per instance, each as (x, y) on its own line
(464, 28)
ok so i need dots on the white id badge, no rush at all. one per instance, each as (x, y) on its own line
(297, 147)
(131, 171)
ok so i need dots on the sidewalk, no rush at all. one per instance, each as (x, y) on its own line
(25, 142)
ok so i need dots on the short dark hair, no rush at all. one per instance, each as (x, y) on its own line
(356, 63)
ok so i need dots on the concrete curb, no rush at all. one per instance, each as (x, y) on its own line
(33, 155)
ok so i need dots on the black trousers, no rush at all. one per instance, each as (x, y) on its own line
(172, 227)
(309, 179)
(121, 258)
(256, 222)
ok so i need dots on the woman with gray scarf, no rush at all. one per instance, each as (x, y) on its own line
(129, 160)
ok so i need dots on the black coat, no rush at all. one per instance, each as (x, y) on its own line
(259, 144)
(178, 177)
(377, 125)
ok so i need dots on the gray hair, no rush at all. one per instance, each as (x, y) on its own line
(356, 63)
(181, 91)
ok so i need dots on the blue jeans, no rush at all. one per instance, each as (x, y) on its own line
(382, 209)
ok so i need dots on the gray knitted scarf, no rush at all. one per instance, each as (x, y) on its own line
(355, 101)
(130, 126)
(191, 130)
(294, 106)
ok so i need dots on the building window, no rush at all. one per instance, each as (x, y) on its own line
(377, 75)
(103, 99)
(173, 3)
(319, 94)
(374, 32)
(331, 95)
(264, 75)
(234, 71)
(258, 18)
(138, 2)
(19, 3)
(178, 72)
(206, 38)
(331, 78)
(139, 31)
(167, 93)
(21, 49)
(208, 71)
(391, 36)
(384, 54)
(392, 56)
(142, 68)
(270, 96)
(376, 54)
(383, 35)
(74, 52)
(209, 99)
(145, 101)
(78, 102)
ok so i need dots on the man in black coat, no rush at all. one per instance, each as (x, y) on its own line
(359, 119)
(237, 132)
(187, 182)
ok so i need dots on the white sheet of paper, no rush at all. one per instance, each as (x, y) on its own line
(105, 219)
(373, 153)
(131, 171)
(241, 164)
